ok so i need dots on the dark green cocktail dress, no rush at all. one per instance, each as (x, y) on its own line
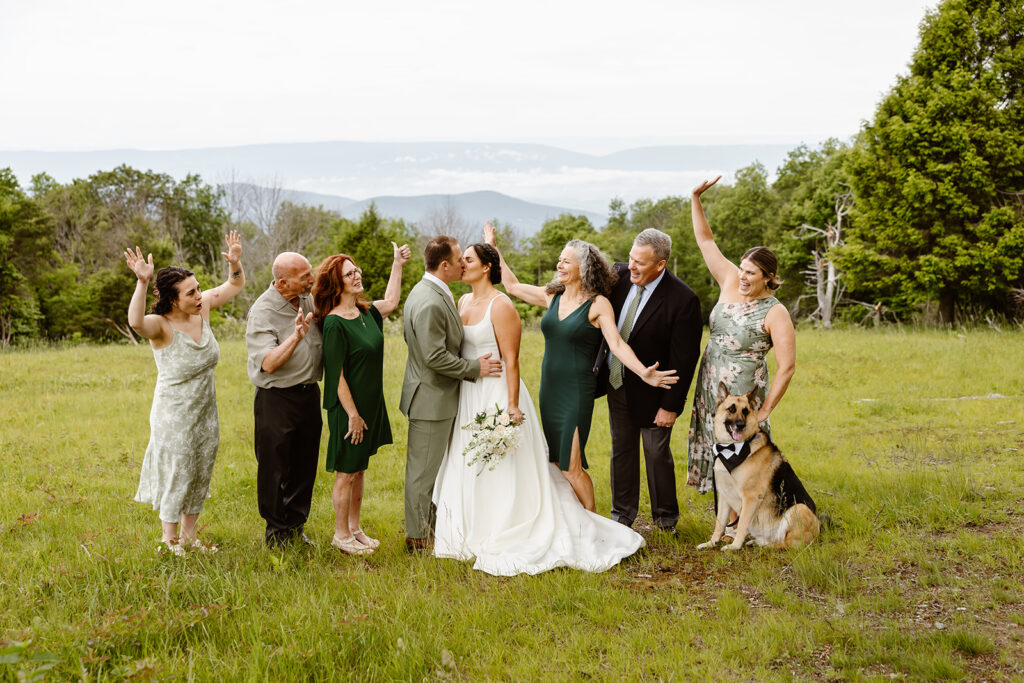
(355, 347)
(567, 383)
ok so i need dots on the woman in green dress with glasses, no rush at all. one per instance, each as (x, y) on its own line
(353, 346)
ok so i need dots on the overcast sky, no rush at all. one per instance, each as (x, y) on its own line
(593, 76)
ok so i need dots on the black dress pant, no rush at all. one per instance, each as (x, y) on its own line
(287, 441)
(625, 466)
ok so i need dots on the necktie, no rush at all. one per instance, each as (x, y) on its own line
(615, 376)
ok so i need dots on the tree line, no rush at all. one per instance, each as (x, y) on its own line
(919, 218)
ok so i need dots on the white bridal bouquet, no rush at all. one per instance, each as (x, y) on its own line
(492, 436)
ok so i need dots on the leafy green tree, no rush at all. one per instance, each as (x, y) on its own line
(199, 209)
(616, 238)
(745, 214)
(546, 246)
(815, 201)
(25, 254)
(939, 171)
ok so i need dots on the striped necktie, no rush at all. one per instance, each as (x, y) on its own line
(615, 377)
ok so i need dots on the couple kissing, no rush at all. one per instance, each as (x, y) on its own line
(532, 511)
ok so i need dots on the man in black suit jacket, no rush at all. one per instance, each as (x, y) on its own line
(664, 324)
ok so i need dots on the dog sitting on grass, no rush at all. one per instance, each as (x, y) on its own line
(753, 478)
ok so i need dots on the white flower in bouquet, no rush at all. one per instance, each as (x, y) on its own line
(492, 436)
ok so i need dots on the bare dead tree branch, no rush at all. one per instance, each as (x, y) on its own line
(445, 219)
(124, 329)
(823, 276)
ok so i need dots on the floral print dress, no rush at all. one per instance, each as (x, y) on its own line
(184, 431)
(734, 355)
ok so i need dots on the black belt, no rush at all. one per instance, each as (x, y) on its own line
(294, 387)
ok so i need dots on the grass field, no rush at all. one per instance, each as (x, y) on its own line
(899, 435)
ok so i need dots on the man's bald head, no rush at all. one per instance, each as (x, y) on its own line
(292, 275)
(288, 264)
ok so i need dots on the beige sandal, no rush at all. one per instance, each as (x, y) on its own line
(353, 547)
(371, 543)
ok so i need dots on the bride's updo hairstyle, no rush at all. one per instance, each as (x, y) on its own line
(166, 288)
(596, 275)
(488, 256)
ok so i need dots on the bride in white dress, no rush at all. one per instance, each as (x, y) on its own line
(522, 517)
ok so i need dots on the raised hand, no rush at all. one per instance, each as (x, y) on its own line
(142, 268)
(489, 234)
(234, 253)
(402, 253)
(663, 379)
(702, 188)
(488, 367)
(302, 324)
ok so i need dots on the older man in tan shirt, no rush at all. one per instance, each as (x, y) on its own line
(285, 364)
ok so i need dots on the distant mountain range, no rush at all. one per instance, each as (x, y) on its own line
(520, 184)
(471, 208)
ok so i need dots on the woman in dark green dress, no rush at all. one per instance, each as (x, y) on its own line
(578, 315)
(353, 344)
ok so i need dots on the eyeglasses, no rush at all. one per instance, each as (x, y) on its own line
(353, 274)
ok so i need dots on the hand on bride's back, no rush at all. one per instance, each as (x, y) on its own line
(489, 367)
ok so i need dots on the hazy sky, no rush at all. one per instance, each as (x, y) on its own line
(588, 75)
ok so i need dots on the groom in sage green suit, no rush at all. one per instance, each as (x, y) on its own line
(434, 372)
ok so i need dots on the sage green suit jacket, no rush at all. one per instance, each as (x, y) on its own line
(434, 368)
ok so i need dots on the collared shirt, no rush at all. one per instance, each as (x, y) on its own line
(272, 320)
(633, 289)
(440, 283)
(648, 290)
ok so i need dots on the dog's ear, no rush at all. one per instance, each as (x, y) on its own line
(723, 392)
(754, 400)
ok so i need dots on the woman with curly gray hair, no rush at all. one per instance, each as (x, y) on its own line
(578, 315)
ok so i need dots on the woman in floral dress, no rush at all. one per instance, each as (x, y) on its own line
(746, 322)
(184, 429)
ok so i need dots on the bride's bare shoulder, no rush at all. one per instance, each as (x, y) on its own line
(503, 311)
(503, 303)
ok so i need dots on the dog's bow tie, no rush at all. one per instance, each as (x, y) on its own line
(732, 454)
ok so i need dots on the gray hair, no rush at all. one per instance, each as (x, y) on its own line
(596, 275)
(658, 241)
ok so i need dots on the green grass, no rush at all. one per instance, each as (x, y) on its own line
(919, 576)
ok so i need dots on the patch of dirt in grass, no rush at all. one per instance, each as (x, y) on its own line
(954, 610)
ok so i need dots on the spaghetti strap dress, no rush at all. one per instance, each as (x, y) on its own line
(567, 383)
(735, 354)
(520, 515)
(184, 431)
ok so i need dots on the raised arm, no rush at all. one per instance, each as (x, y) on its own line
(601, 312)
(393, 293)
(508, 331)
(153, 327)
(531, 294)
(721, 269)
(226, 291)
(779, 325)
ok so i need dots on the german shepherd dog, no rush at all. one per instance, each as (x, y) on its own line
(753, 478)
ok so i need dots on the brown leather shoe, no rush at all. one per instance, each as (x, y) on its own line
(417, 545)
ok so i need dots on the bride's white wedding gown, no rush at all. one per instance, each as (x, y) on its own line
(522, 516)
